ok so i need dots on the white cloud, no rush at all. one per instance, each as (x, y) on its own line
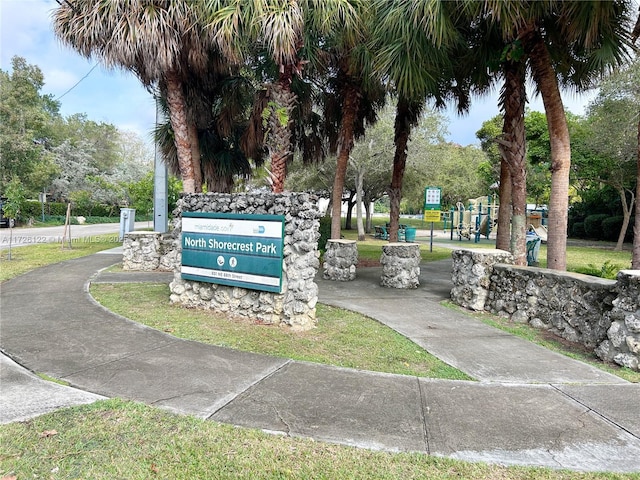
(59, 80)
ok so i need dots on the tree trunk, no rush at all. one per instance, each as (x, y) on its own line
(406, 116)
(195, 156)
(547, 83)
(513, 152)
(503, 237)
(281, 105)
(350, 204)
(635, 260)
(278, 171)
(367, 209)
(359, 198)
(627, 208)
(178, 117)
(345, 144)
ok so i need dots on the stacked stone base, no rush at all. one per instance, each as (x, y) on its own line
(400, 265)
(603, 315)
(471, 275)
(622, 344)
(295, 306)
(340, 260)
(149, 251)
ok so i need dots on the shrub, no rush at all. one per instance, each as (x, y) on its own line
(577, 230)
(607, 270)
(55, 208)
(325, 232)
(32, 208)
(94, 219)
(611, 227)
(102, 210)
(593, 225)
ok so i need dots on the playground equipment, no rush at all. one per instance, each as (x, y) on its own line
(533, 248)
(476, 219)
(540, 231)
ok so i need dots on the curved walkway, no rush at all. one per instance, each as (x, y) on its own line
(529, 407)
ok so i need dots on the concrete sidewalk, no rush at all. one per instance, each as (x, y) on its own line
(529, 407)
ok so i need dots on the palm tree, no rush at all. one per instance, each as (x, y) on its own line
(513, 99)
(355, 93)
(565, 43)
(571, 44)
(279, 27)
(159, 41)
(492, 55)
(219, 109)
(414, 46)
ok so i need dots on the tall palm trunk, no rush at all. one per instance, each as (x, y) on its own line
(195, 156)
(513, 152)
(635, 261)
(547, 82)
(178, 117)
(349, 113)
(406, 116)
(503, 237)
(281, 104)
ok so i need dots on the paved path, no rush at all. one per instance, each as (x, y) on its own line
(24, 236)
(529, 407)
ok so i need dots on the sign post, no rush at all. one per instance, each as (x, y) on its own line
(432, 208)
(238, 250)
(42, 196)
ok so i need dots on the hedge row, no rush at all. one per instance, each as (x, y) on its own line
(601, 227)
(33, 208)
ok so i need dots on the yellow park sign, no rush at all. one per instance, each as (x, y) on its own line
(432, 215)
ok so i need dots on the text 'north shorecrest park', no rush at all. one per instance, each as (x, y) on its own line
(238, 250)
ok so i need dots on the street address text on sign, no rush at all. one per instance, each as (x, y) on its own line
(233, 249)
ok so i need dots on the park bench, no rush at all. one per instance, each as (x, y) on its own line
(381, 233)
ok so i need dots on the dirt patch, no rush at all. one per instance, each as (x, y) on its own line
(566, 344)
(364, 263)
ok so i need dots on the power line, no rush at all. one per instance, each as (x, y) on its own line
(78, 82)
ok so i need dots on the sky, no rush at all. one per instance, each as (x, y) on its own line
(117, 97)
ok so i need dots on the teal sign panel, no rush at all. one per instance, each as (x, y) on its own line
(239, 250)
(432, 198)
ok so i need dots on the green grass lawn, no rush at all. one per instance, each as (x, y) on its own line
(25, 259)
(591, 259)
(342, 338)
(370, 249)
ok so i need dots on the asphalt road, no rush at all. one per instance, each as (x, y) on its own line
(23, 236)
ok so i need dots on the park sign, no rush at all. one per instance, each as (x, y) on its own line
(239, 250)
(432, 204)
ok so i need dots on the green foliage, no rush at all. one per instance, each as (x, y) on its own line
(26, 118)
(325, 232)
(15, 199)
(593, 225)
(280, 113)
(81, 201)
(611, 227)
(55, 208)
(59, 155)
(141, 194)
(607, 270)
(577, 230)
(381, 205)
(512, 52)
